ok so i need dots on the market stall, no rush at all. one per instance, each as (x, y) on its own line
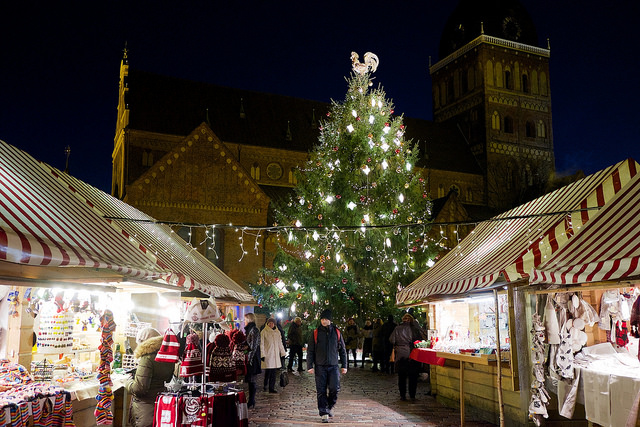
(497, 259)
(69, 251)
(587, 315)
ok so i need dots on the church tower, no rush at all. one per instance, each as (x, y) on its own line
(492, 83)
(118, 156)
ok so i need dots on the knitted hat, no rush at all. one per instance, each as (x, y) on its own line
(145, 334)
(170, 349)
(222, 340)
(326, 314)
(238, 337)
(192, 361)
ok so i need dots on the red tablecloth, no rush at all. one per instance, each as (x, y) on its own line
(426, 355)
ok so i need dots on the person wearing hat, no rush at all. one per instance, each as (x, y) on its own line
(325, 349)
(149, 378)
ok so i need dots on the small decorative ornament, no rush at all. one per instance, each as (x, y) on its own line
(343, 290)
(358, 119)
(391, 112)
(395, 211)
(326, 302)
(280, 295)
(424, 195)
(322, 268)
(406, 185)
(421, 179)
(338, 196)
(328, 246)
(368, 248)
(370, 136)
(299, 296)
(374, 184)
(309, 206)
(409, 218)
(344, 281)
(320, 216)
(414, 249)
(328, 113)
(369, 160)
(362, 199)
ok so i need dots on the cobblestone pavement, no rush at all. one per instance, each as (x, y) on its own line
(365, 398)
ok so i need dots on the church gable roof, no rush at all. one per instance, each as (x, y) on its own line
(201, 171)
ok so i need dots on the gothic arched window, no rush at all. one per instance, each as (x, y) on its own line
(495, 121)
(525, 83)
(508, 124)
(530, 129)
(541, 129)
(255, 171)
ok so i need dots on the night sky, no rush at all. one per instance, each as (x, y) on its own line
(60, 64)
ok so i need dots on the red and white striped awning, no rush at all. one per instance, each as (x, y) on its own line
(50, 219)
(513, 243)
(608, 248)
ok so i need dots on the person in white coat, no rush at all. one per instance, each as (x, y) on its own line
(272, 350)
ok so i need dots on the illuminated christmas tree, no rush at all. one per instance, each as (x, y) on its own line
(354, 233)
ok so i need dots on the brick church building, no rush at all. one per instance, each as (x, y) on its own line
(194, 153)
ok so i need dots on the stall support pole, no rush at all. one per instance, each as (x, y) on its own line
(205, 341)
(499, 362)
(462, 393)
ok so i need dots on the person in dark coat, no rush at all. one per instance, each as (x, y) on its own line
(295, 343)
(402, 338)
(387, 330)
(325, 349)
(253, 357)
(283, 338)
(149, 378)
(377, 345)
(367, 335)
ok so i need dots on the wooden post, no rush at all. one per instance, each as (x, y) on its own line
(499, 361)
(461, 393)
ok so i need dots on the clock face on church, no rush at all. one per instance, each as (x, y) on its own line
(274, 171)
(511, 28)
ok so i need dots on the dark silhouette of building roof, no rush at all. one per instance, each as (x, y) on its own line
(169, 105)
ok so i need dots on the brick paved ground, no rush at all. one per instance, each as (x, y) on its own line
(366, 398)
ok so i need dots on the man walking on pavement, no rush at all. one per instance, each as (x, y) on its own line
(325, 346)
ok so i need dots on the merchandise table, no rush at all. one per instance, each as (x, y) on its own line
(427, 355)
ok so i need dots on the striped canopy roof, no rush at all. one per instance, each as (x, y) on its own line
(513, 243)
(608, 248)
(50, 219)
